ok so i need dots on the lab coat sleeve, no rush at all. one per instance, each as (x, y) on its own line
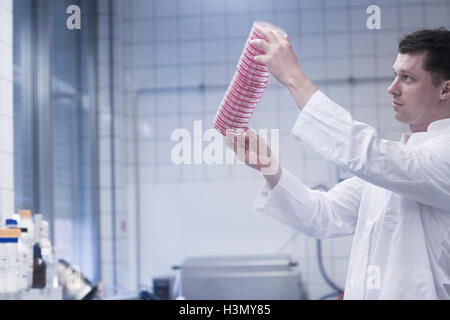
(418, 172)
(315, 213)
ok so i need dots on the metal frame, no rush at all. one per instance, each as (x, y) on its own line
(137, 189)
(93, 130)
(43, 147)
(27, 91)
(112, 145)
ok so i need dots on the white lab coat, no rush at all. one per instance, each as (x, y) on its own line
(397, 205)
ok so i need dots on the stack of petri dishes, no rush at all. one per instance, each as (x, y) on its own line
(246, 88)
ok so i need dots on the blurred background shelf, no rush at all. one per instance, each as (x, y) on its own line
(35, 294)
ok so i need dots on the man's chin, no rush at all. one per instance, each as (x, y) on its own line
(400, 118)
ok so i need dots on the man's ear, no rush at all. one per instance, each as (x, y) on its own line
(445, 92)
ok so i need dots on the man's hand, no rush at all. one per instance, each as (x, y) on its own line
(279, 57)
(282, 62)
(252, 149)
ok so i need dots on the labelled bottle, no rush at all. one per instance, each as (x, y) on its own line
(23, 253)
(26, 221)
(9, 260)
(11, 224)
(27, 242)
(39, 266)
(48, 254)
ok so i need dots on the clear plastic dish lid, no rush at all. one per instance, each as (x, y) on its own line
(267, 25)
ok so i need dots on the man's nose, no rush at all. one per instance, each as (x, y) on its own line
(393, 88)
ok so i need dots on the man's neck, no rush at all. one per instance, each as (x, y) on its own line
(423, 127)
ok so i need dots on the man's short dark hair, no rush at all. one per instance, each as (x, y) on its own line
(436, 44)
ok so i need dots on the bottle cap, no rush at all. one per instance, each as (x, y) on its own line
(25, 214)
(10, 222)
(37, 225)
(44, 229)
(37, 251)
(271, 26)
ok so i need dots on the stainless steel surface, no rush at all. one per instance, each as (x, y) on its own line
(241, 278)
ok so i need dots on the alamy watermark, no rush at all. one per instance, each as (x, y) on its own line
(374, 20)
(74, 20)
(210, 147)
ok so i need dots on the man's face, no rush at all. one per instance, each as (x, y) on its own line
(414, 97)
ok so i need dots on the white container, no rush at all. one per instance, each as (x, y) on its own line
(9, 261)
(23, 253)
(27, 242)
(48, 254)
(26, 221)
(25, 256)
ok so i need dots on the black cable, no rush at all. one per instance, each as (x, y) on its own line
(322, 268)
(145, 295)
(335, 287)
(330, 295)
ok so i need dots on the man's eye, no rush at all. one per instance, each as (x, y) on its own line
(405, 77)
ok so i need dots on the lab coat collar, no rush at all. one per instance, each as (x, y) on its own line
(439, 125)
(433, 129)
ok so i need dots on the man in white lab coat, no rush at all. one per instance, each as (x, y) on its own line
(397, 205)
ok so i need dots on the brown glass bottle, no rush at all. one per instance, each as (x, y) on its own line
(39, 268)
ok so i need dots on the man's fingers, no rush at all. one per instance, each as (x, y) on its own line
(260, 44)
(260, 59)
(246, 143)
(229, 142)
(245, 146)
(279, 36)
(232, 142)
(266, 32)
(260, 29)
(251, 133)
(251, 149)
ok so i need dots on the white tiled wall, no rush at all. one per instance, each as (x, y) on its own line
(6, 112)
(172, 47)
